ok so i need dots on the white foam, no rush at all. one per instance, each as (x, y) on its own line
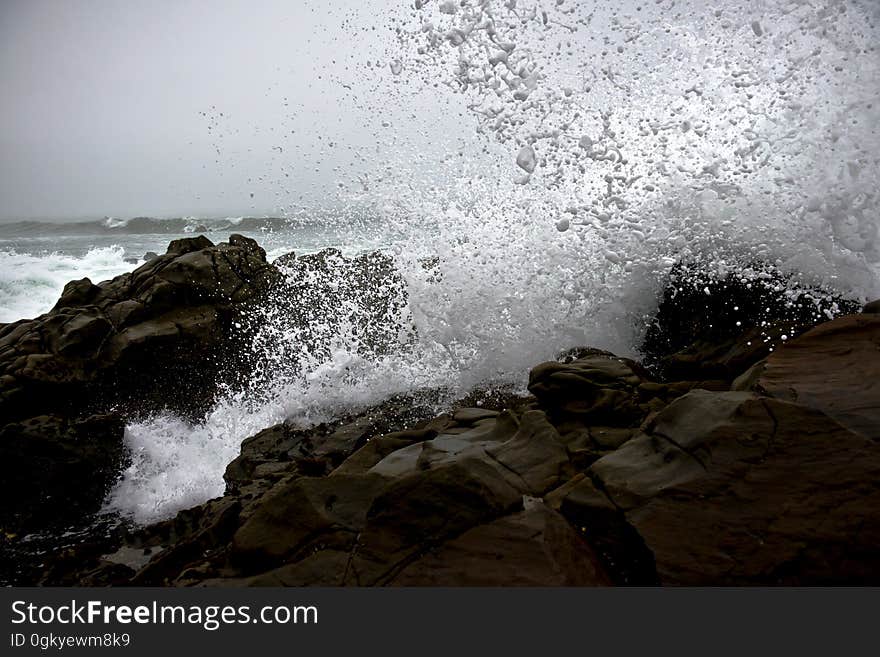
(31, 284)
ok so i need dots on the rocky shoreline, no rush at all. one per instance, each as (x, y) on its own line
(717, 461)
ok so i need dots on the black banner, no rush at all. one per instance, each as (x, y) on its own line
(415, 621)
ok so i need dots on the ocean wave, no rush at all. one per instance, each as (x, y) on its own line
(143, 226)
(31, 284)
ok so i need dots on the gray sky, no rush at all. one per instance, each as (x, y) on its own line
(120, 108)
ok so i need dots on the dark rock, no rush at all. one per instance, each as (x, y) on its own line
(598, 388)
(54, 471)
(423, 510)
(158, 337)
(188, 245)
(473, 415)
(296, 513)
(197, 534)
(618, 546)
(325, 568)
(733, 489)
(607, 474)
(706, 320)
(834, 368)
(728, 359)
(535, 547)
(378, 448)
(247, 244)
(535, 455)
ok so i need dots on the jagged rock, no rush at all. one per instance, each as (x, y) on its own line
(619, 547)
(273, 449)
(712, 325)
(296, 513)
(535, 547)
(447, 448)
(708, 359)
(191, 536)
(609, 473)
(598, 388)
(535, 455)
(377, 449)
(157, 337)
(734, 489)
(324, 568)
(834, 368)
(423, 510)
(473, 415)
(54, 470)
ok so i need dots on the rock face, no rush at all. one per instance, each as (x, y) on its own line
(834, 369)
(49, 463)
(159, 334)
(714, 326)
(728, 465)
(735, 489)
(156, 338)
(604, 476)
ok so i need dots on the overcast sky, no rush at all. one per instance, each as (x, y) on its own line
(177, 107)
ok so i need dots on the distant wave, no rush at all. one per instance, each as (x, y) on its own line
(144, 226)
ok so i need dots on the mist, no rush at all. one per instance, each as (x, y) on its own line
(187, 107)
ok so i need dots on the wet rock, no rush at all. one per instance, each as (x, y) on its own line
(710, 325)
(734, 489)
(192, 536)
(608, 473)
(618, 546)
(324, 568)
(298, 512)
(473, 415)
(834, 368)
(599, 388)
(157, 337)
(535, 455)
(726, 360)
(423, 510)
(535, 547)
(54, 471)
(278, 445)
(377, 449)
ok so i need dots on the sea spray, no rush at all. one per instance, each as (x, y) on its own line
(611, 143)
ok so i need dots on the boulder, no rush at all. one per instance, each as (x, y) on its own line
(714, 324)
(296, 513)
(735, 489)
(54, 470)
(534, 547)
(158, 337)
(424, 509)
(834, 368)
(598, 388)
